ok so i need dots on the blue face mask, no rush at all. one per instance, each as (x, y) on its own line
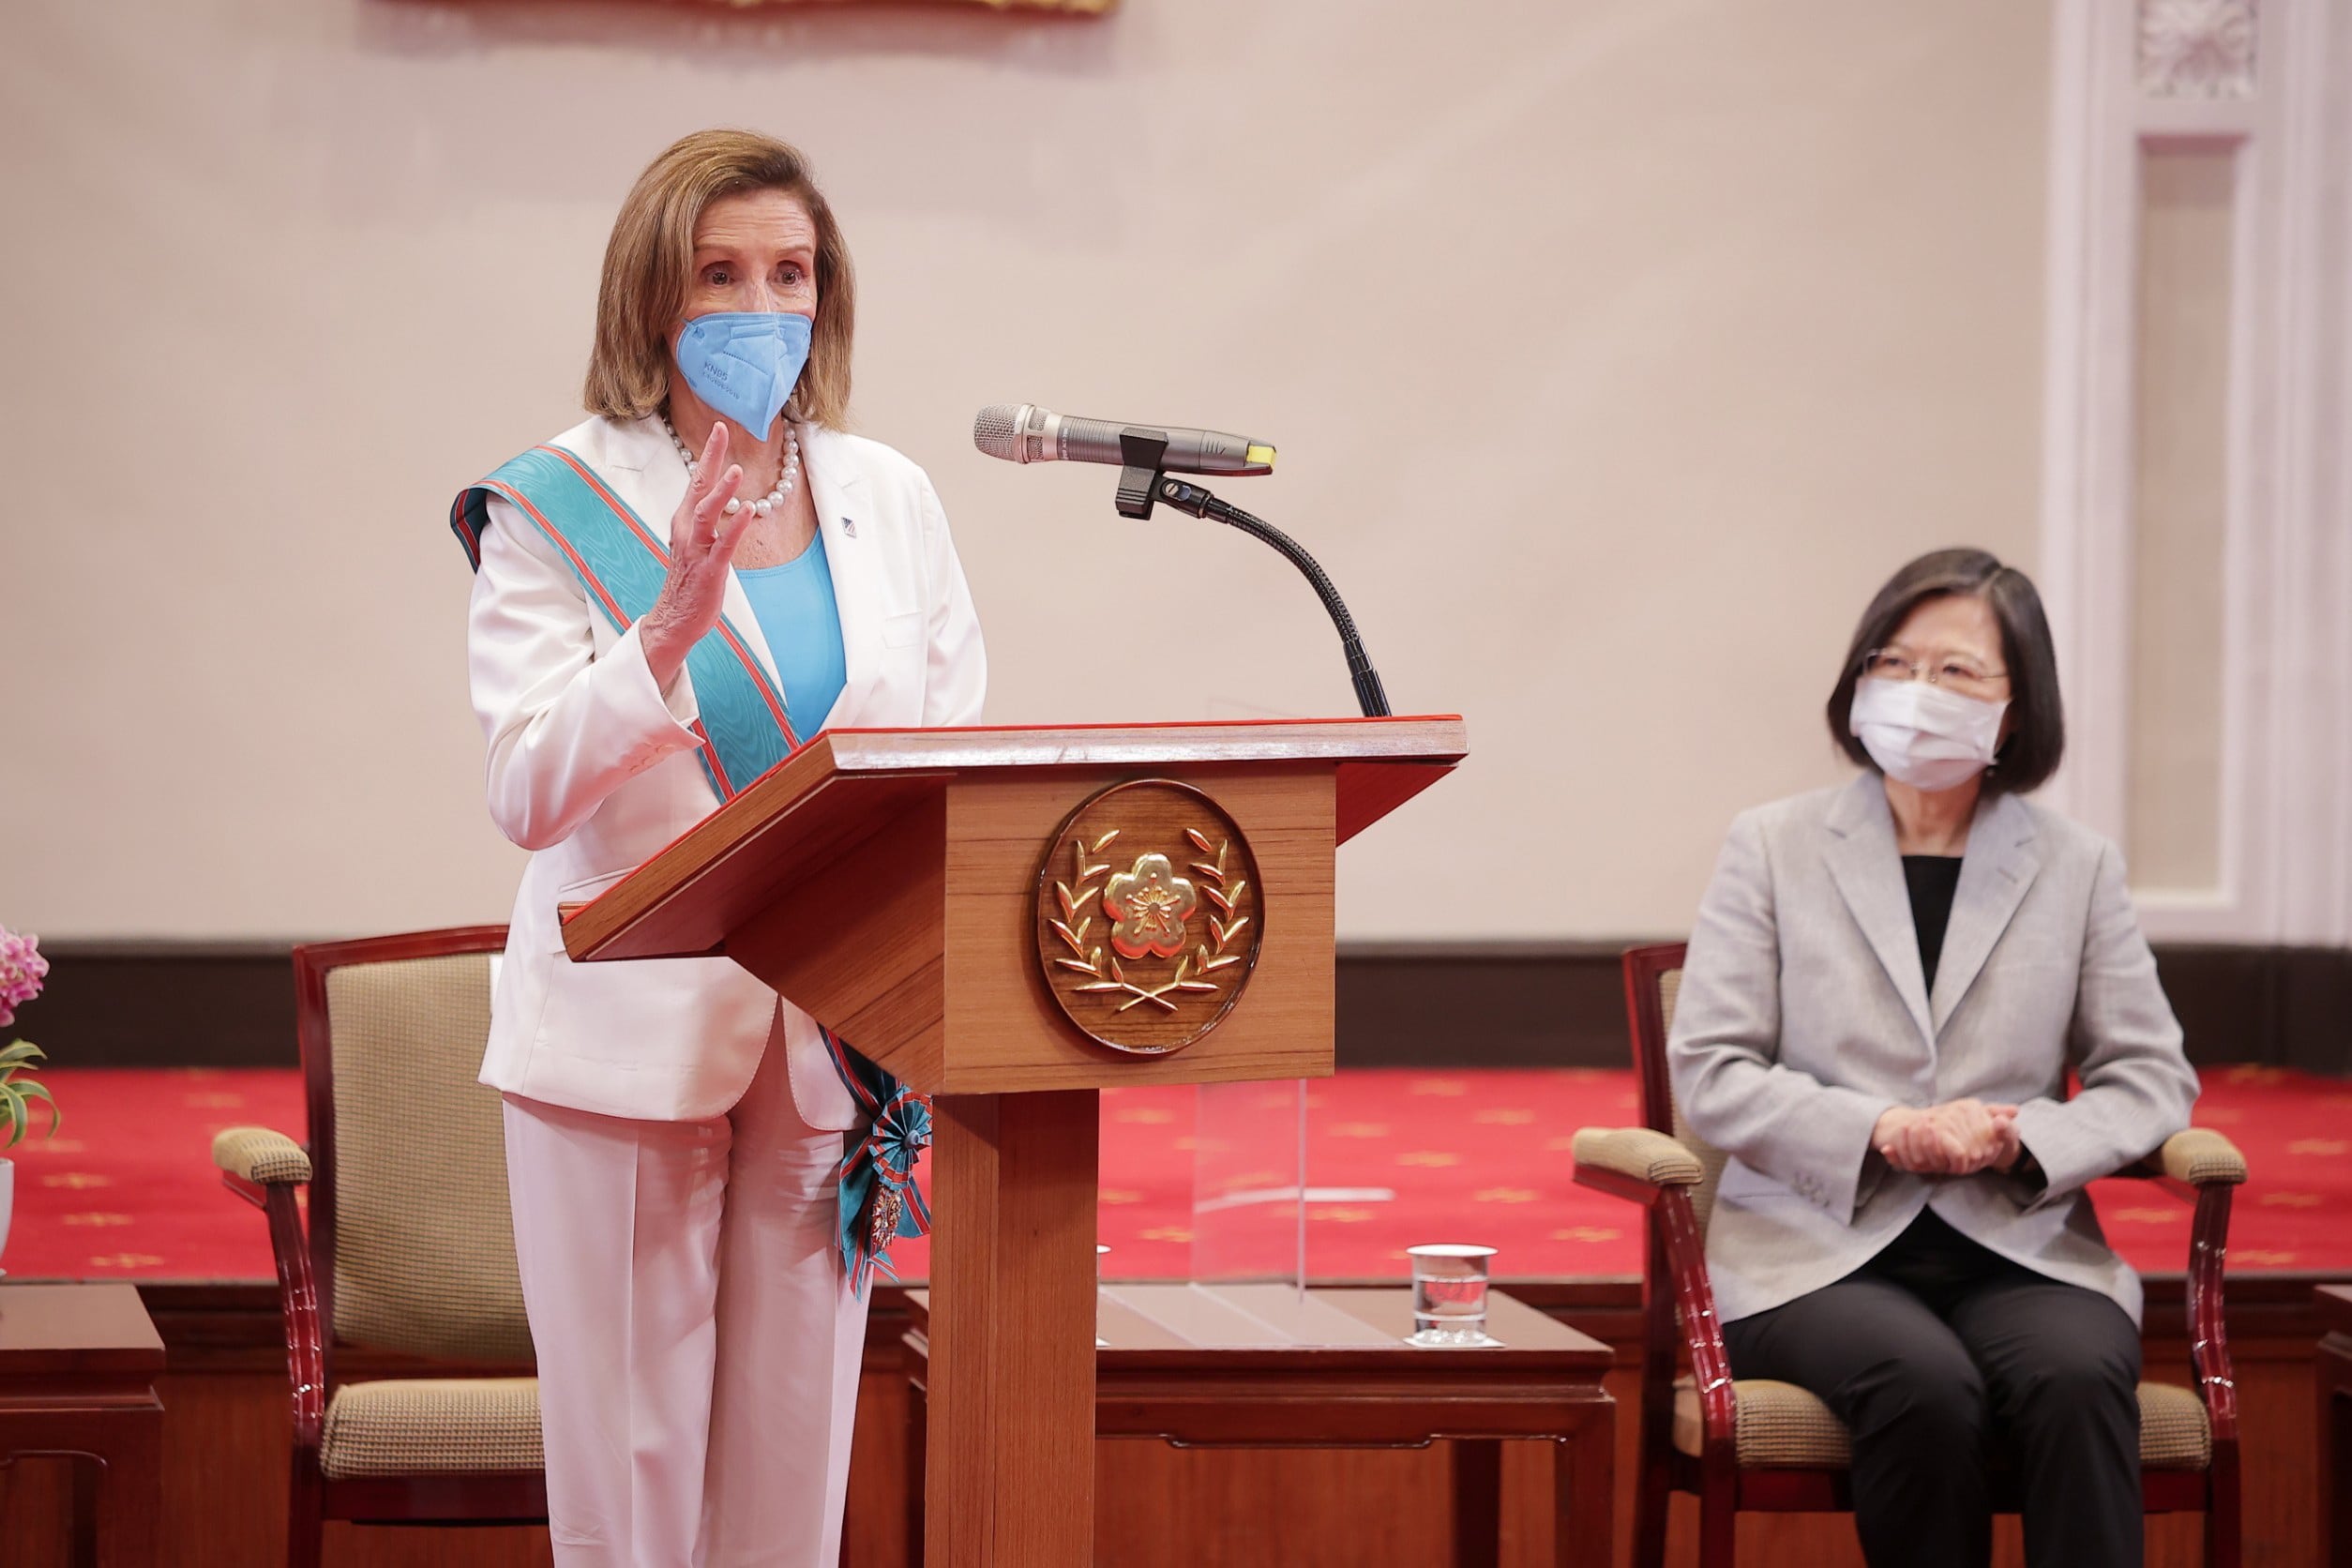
(743, 363)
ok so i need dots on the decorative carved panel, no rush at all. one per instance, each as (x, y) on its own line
(2197, 49)
(1081, 8)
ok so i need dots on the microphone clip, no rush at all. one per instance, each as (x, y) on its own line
(1141, 483)
(1139, 480)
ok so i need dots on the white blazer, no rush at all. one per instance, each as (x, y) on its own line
(1804, 1014)
(592, 768)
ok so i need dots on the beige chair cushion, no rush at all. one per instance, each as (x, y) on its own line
(2174, 1431)
(1781, 1426)
(433, 1427)
(424, 1239)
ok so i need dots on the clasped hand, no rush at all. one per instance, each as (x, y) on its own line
(1958, 1137)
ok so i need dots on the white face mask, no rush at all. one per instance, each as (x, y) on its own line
(1923, 735)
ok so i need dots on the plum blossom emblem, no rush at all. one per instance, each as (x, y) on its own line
(1148, 908)
(1147, 946)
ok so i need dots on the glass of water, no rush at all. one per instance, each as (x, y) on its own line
(1449, 1294)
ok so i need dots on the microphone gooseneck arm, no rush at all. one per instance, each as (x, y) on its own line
(1141, 484)
(1200, 504)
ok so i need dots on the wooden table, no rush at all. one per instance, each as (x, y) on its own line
(78, 1364)
(2336, 1422)
(1261, 1366)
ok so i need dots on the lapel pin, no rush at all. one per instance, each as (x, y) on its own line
(849, 527)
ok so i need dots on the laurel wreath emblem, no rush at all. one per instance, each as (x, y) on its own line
(1080, 903)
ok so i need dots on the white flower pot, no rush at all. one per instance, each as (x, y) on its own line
(8, 1199)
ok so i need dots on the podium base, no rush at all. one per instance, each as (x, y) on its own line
(1010, 1432)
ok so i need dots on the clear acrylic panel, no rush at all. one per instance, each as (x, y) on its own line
(1249, 1183)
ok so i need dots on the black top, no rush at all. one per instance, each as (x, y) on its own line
(1933, 880)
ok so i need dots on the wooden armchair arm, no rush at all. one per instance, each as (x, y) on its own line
(2203, 1166)
(1645, 1167)
(264, 1168)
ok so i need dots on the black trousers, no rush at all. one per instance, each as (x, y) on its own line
(1937, 1354)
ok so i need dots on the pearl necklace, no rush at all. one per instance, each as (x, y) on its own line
(786, 481)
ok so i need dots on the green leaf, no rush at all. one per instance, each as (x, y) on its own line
(17, 1113)
(21, 1051)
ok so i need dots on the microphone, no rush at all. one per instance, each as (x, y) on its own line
(1023, 432)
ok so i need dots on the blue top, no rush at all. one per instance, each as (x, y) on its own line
(803, 626)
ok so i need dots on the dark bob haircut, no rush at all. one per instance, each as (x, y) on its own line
(2037, 736)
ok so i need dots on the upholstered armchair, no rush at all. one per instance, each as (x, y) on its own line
(408, 1253)
(1755, 1445)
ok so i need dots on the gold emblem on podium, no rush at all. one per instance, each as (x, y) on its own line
(1148, 916)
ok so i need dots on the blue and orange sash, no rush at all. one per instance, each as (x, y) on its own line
(622, 565)
(745, 730)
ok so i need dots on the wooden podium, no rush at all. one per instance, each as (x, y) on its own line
(952, 903)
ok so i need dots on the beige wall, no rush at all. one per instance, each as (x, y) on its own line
(1616, 352)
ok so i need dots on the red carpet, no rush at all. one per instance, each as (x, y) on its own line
(128, 1189)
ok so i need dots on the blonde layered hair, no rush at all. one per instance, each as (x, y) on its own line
(650, 259)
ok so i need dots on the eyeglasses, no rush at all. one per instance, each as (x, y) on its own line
(1950, 671)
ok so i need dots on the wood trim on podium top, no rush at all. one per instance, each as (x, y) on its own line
(1421, 738)
(841, 787)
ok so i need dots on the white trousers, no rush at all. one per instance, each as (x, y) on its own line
(698, 1341)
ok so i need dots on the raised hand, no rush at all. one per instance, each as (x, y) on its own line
(703, 541)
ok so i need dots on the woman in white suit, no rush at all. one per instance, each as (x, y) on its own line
(1885, 991)
(668, 599)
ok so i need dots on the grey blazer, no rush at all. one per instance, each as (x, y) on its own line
(1805, 1014)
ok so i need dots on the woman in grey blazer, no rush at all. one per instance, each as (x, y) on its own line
(1886, 989)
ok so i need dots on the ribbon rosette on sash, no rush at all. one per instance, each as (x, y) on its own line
(744, 731)
(879, 1200)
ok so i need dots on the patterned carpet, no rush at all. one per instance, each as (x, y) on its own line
(1394, 1157)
